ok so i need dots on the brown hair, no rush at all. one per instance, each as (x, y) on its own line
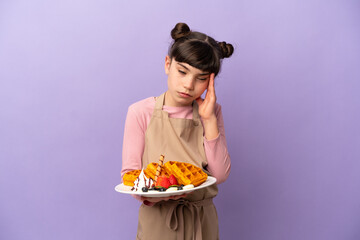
(197, 49)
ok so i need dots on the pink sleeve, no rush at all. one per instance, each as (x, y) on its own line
(217, 155)
(133, 142)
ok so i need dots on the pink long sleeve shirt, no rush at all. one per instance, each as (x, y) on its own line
(137, 120)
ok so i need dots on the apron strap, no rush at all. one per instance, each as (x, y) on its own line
(175, 216)
(160, 102)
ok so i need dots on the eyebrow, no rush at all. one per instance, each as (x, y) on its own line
(202, 74)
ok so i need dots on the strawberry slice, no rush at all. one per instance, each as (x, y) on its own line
(163, 181)
(173, 180)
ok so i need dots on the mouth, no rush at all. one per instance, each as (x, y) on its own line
(184, 95)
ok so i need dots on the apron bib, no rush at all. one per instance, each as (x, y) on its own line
(191, 218)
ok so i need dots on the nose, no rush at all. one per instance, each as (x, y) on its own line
(188, 83)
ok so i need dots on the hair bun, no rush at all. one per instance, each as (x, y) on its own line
(180, 30)
(226, 49)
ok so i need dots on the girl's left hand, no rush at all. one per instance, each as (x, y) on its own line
(207, 105)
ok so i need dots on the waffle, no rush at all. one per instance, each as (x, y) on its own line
(186, 173)
(150, 170)
(130, 177)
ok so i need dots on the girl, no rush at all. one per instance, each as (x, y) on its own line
(183, 127)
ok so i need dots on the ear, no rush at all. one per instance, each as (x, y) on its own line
(167, 64)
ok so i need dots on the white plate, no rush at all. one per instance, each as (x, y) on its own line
(127, 189)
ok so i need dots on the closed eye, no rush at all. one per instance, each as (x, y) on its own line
(182, 72)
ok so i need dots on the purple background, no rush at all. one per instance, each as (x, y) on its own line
(290, 97)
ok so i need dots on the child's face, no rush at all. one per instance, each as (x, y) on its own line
(185, 83)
